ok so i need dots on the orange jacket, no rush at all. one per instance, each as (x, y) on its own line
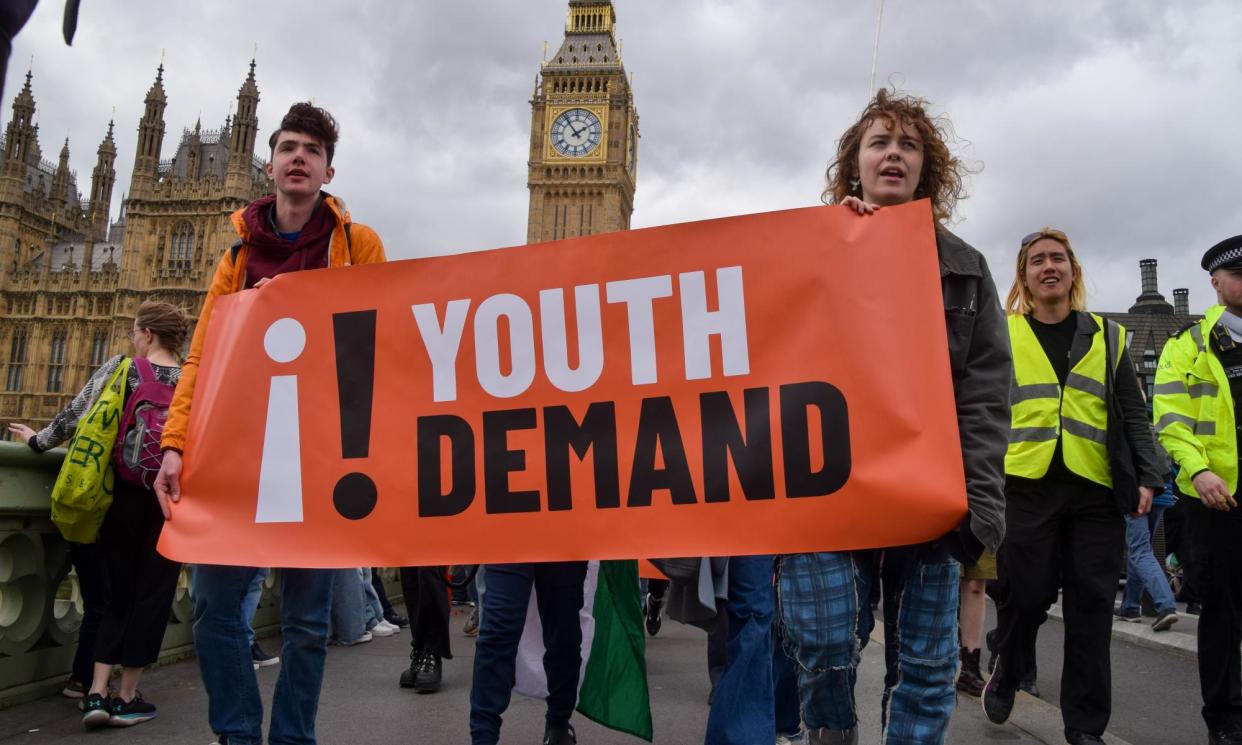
(363, 246)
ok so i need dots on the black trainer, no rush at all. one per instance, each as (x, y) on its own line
(95, 710)
(560, 735)
(997, 700)
(128, 713)
(396, 619)
(652, 610)
(1078, 737)
(1165, 620)
(260, 658)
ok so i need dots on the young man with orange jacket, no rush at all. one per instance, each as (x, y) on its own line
(300, 227)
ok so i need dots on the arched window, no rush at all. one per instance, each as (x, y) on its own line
(182, 254)
(56, 361)
(99, 350)
(17, 360)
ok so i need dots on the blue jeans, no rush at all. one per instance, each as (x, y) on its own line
(1143, 572)
(785, 688)
(251, 602)
(234, 707)
(742, 710)
(480, 587)
(373, 607)
(822, 598)
(349, 615)
(558, 593)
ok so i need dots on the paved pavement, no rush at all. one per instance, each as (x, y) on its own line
(1155, 680)
(362, 703)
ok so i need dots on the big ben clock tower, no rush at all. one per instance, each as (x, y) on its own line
(583, 132)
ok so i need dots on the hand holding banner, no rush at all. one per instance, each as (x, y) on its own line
(762, 384)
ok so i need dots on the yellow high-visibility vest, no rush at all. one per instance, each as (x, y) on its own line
(1043, 412)
(1193, 407)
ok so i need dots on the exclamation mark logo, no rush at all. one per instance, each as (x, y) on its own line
(280, 469)
(354, 496)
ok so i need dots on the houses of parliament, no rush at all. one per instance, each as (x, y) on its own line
(71, 279)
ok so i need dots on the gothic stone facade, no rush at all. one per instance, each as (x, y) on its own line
(70, 282)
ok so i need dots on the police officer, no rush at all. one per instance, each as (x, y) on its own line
(1198, 385)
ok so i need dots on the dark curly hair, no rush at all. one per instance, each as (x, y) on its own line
(941, 180)
(308, 119)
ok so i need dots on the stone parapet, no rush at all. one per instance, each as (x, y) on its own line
(40, 600)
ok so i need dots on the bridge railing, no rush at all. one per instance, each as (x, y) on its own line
(40, 600)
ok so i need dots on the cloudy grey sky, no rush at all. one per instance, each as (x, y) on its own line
(1115, 121)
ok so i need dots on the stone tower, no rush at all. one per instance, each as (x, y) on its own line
(103, 178)
(20, 137)
(242, 135)
(150, 137)
(583, 132)
(171, 254)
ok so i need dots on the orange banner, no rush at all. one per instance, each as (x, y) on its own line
(758, 384)
(647, 570)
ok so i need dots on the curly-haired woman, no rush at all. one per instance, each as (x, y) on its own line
(893, 154)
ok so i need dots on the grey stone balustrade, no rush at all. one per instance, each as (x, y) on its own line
(40, 602)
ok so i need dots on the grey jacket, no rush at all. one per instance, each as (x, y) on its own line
(982, 370)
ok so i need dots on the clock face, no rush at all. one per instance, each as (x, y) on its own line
(576, 132)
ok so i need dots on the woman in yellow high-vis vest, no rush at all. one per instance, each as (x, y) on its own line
(1063, 529)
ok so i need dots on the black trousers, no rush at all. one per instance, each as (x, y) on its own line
(1177, 541)
(141, 582)
(658, 588)
(1067, 536)
(91, 564)
(427, 603)
(1218, 540)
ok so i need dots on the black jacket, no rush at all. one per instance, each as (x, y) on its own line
(1149, 465)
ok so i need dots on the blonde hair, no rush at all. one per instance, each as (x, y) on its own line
(1019, 301)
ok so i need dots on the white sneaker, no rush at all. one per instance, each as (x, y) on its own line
(366, 637)
(383, 628)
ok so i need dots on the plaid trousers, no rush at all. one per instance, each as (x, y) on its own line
(825, 615)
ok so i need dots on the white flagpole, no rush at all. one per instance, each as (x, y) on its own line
(875, 50)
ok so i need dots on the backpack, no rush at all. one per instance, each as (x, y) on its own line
(137, 455)
(83, 490)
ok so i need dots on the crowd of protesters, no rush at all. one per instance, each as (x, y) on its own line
(1065, 475)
